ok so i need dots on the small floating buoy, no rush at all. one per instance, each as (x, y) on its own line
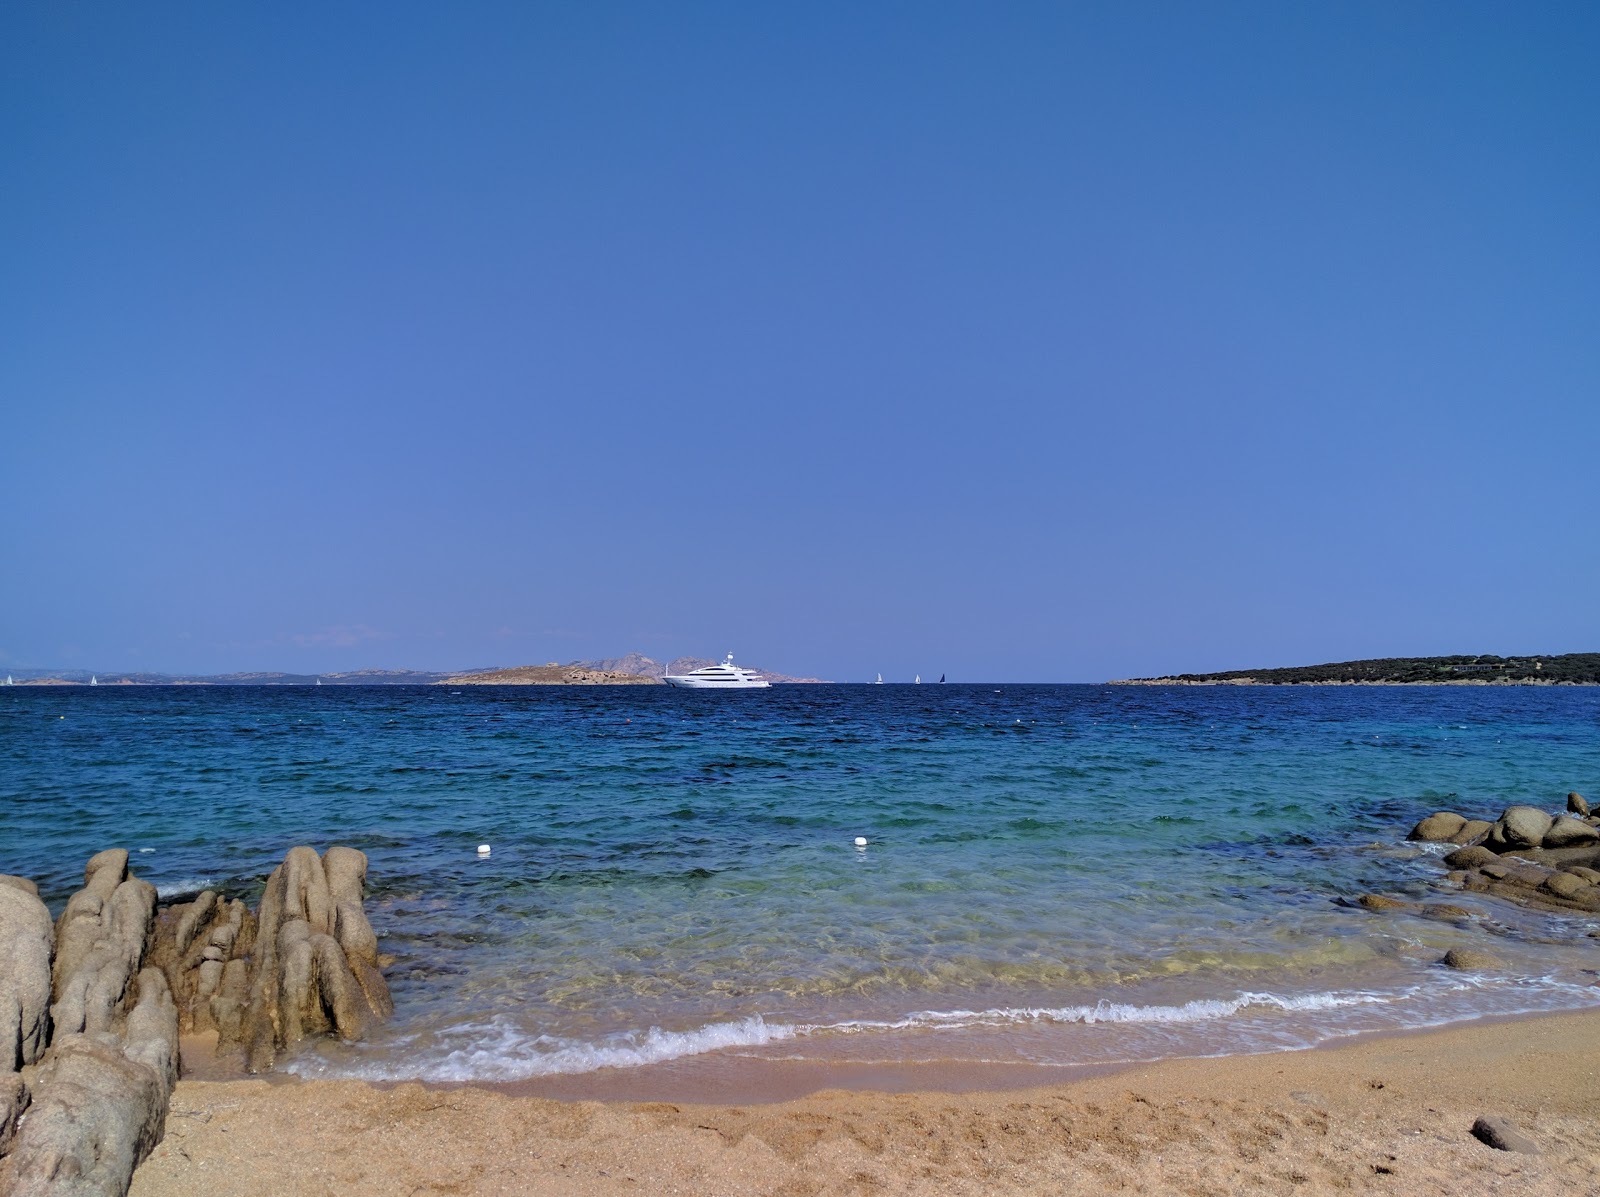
(483, 849)
(861, 841)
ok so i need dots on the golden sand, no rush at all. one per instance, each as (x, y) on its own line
(1388, 1115)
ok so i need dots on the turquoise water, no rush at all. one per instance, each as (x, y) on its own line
(1053, 874)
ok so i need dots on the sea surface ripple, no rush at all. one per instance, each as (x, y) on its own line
(1053, 874)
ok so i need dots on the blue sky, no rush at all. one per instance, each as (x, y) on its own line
(1014, 342)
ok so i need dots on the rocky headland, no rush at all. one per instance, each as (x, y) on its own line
(92, 1004)
(550, 675)
(1558, 669)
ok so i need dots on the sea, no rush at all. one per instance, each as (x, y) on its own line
(1051, 875)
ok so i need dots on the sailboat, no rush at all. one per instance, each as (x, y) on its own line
(918, 680)
(879, 682)
(9, 682)
(941, 679)
(93, 681)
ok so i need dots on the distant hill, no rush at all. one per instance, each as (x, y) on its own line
(355, 677)
(576, 674)
(1569, 669)
(628, 670)
(635, 668)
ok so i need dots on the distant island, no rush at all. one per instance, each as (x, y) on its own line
(635, 669)
(1560, 669)
(632, 670)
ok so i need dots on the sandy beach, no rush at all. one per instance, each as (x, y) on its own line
(1390, 1114)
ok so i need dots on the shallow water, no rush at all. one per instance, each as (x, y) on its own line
(1054, 874)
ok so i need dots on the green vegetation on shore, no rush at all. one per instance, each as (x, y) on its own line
(1582, 669)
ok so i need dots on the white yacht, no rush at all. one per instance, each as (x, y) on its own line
(726, 676)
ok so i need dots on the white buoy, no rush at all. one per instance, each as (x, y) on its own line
(861, 841)
(483, 849)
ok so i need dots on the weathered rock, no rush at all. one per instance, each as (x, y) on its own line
(96, 1098)
(314, 962)
(319, 992)
(306, 893)
(1444, 912)
(107, 948)
(195, 917)
(1503, 1135)
(27, 940)
(1438, 827)
(1471, 960)
(1379, 902)
(346, 870)
(20, 883)
(1577, 805)
(1566, 885)
(1588, 874)
(1472, 831)
(1470, 857)
(1516, 872)
(83, 920)
(152, 1031)
(1519, 827)
(95, 1115)
(1567, 832)
(13, 1100)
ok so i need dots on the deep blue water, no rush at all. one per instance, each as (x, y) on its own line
(1053, 873)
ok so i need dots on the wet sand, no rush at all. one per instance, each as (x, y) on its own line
(1386, 1115)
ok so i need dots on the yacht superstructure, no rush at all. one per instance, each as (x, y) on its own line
(726, 676)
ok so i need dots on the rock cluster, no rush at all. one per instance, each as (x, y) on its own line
(312, 968)
(1527, 855)
(92, 1004)
(90, 1035)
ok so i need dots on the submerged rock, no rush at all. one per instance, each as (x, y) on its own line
(1471, 960)
(1470, 858)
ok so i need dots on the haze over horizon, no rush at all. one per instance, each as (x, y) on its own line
(1018, 343)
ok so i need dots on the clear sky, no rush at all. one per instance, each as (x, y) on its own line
(1009, 341)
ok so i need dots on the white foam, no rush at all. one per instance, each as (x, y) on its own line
(498, 1049)
(185, 885)
(502, 1052)
(1200, 1010)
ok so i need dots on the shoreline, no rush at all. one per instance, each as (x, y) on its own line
(1387, 1109)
